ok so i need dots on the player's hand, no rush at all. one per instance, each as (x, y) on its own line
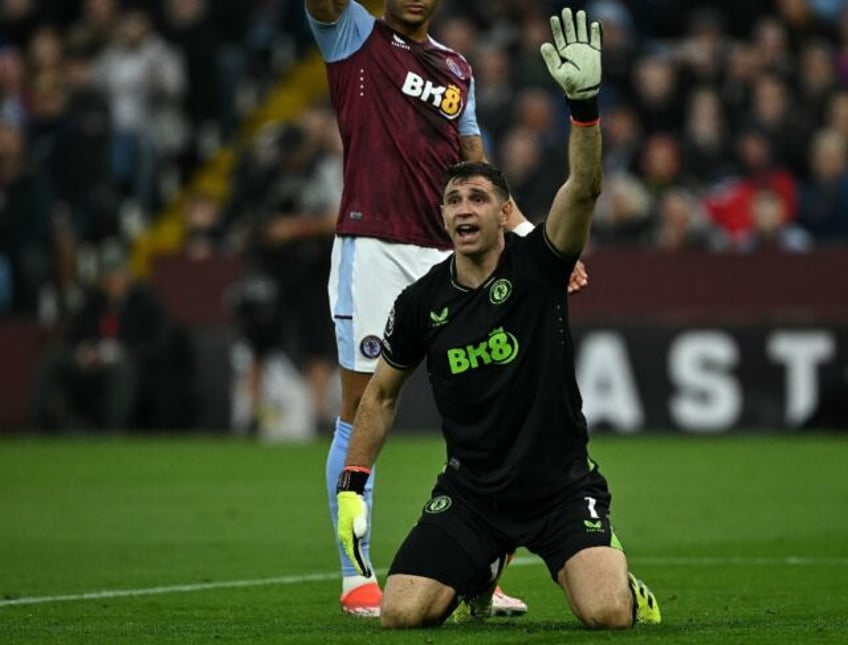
(574, 60)
(353, 526)
(579, 278)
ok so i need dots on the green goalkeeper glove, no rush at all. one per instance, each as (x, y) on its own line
(353, 516)
(575, 61)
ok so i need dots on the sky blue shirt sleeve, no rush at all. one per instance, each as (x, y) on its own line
(468, 125)
(338, 40)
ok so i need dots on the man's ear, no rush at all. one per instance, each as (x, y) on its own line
(506, 212)
(442, 211)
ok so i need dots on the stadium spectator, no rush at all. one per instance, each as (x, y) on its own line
(771, 44)
(836, 116)
(112, 370)
(660, 164)
(13, 102)
(25, 225)
(656, 92)
(514, 431)
(702, 51)
(744, 64)
(288, 234)
(533, 29)
(684, 224)
(144, 79)
(787, 129)
(823, 208)
(841, 56)
(96, 26)
(495, 91)
(190, 27)
(771, 228)
(803, 24)
(269, 396)
(623, 139)
(83, 164)
(730, 203)
(706, 139)
(623, 214)
(536, 113)
(47, 98)
(817, 79)
(205, 234)
(461, 35)
(531, 175)
(18, 20)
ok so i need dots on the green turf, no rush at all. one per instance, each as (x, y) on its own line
(743, 539)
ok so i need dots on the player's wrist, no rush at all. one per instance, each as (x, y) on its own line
(584, 112)
(353, 479)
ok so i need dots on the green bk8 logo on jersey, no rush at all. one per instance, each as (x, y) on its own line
(500, 348)
(438, 504)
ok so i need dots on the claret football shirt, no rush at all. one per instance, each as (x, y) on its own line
(402, 107)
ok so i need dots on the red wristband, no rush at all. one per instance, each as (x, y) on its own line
(585, 124)
(358, 469)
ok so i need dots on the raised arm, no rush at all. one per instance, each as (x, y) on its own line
(571, 212)
(574, 61)
(326, 10)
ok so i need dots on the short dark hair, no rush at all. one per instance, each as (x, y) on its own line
(465, 170)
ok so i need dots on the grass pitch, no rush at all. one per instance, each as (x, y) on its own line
(132, 540)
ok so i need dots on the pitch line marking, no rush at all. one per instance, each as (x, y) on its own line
(322, 577)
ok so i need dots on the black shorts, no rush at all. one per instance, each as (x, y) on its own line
(458, 541)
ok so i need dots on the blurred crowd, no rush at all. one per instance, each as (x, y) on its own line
(725, 129)
(725, 123)
(107, 107)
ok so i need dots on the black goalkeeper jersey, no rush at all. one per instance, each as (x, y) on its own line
(501, 364)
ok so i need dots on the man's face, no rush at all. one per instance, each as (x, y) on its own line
(410, 13)
(474, 214)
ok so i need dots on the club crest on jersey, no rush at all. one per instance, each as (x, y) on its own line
(371, 346)
(455, 69)
(448, 99)
(500, 291)
(438, 504)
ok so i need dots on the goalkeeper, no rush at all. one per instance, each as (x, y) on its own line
(492, 323)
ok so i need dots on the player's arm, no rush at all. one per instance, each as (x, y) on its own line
(326, 10)
(574, 61)
(371, 426)
(375, 414)
(340, 27)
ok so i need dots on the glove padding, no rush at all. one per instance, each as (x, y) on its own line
(575, 62)
(352, 527)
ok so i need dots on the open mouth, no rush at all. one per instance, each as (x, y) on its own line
(464, 231)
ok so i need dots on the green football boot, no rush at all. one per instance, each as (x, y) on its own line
(646, 608)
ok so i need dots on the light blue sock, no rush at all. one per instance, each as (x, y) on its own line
(335, 463)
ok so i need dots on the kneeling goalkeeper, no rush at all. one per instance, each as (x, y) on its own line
(492, 323)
